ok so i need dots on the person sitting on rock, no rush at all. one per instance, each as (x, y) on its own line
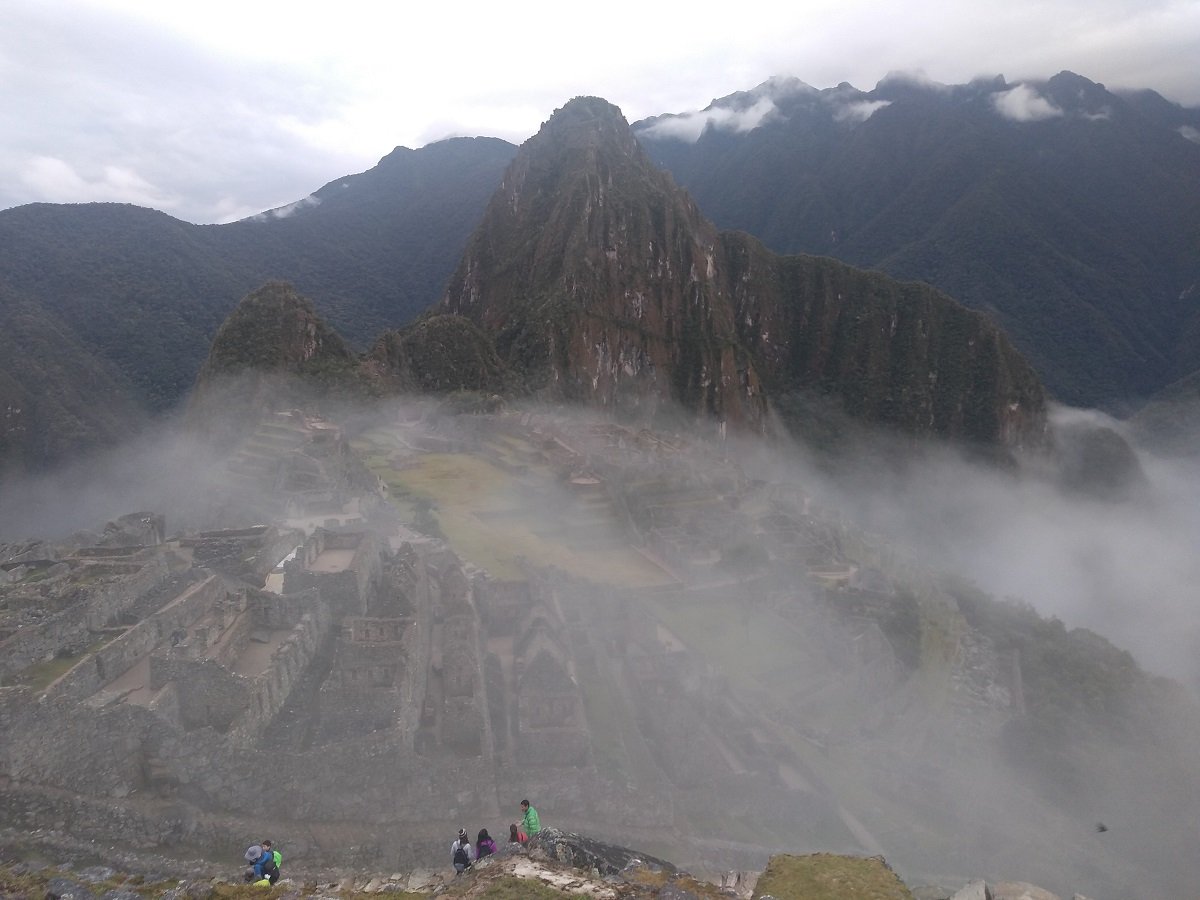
(484, 845)
(460, 852)
(516, 835)
(253, 874)
(268, 865)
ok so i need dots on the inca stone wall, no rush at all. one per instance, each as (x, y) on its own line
(96, 670)
(95, 605)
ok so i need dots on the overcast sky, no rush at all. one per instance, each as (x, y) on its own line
(213, 111)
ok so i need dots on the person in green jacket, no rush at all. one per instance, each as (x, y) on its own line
(530, 824)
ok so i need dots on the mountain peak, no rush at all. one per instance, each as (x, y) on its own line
(271, 352)
(586, 108)
(589, 267)
(601, 281)
(273, 328)
(583, 124)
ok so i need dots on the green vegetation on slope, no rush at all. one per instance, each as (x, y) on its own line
(825, 877)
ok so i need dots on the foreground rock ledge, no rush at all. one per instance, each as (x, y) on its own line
(557, 864)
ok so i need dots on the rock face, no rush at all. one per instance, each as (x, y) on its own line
(601, 281)
(584, 852)
(900, 354)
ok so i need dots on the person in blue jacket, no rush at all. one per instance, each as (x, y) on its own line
(263, 867)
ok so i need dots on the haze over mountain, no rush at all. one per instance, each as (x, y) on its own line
(1065, 211)
(1058, 208)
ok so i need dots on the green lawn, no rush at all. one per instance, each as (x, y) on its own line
(491, 518)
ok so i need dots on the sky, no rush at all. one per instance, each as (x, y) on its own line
(218, 110)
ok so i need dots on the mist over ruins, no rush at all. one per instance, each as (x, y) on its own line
(715, 554)
(414, 618)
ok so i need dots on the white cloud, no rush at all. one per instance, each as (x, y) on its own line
(1024, 104)
(233, 106)
(291, 209)
(689, 126)
(55, 181)
(1192, 134)
(859, 111)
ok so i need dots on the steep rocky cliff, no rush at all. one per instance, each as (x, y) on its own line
(601, 281)
(598, 277)
(898, 353)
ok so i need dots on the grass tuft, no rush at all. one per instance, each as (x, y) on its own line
(823, 876)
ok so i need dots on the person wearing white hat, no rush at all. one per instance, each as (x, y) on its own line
(461, 853)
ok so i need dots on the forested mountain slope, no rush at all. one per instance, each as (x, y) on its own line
(1065, 211)
(142, 293)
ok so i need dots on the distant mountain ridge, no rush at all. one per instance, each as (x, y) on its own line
(1065, 211)
(593, 279)
(140, 295)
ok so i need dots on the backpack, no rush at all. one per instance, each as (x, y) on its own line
(461, 858)
(270, 866)
(486, 847)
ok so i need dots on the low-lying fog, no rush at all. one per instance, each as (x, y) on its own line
(165, 470)
(1126, 570)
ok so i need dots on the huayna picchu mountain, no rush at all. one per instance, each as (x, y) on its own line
(595, 274)
(601, 281)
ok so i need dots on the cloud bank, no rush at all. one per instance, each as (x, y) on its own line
(689, 126)
(1024, 104)
(216, 112)
(859, 111)
(1126, 570)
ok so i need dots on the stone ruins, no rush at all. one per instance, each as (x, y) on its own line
(323, 671)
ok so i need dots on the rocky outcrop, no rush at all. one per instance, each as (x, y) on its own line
(601, 281)
(273, 351)
(274, 328)
(555, 864)
(584, 852)
(1096, 461)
